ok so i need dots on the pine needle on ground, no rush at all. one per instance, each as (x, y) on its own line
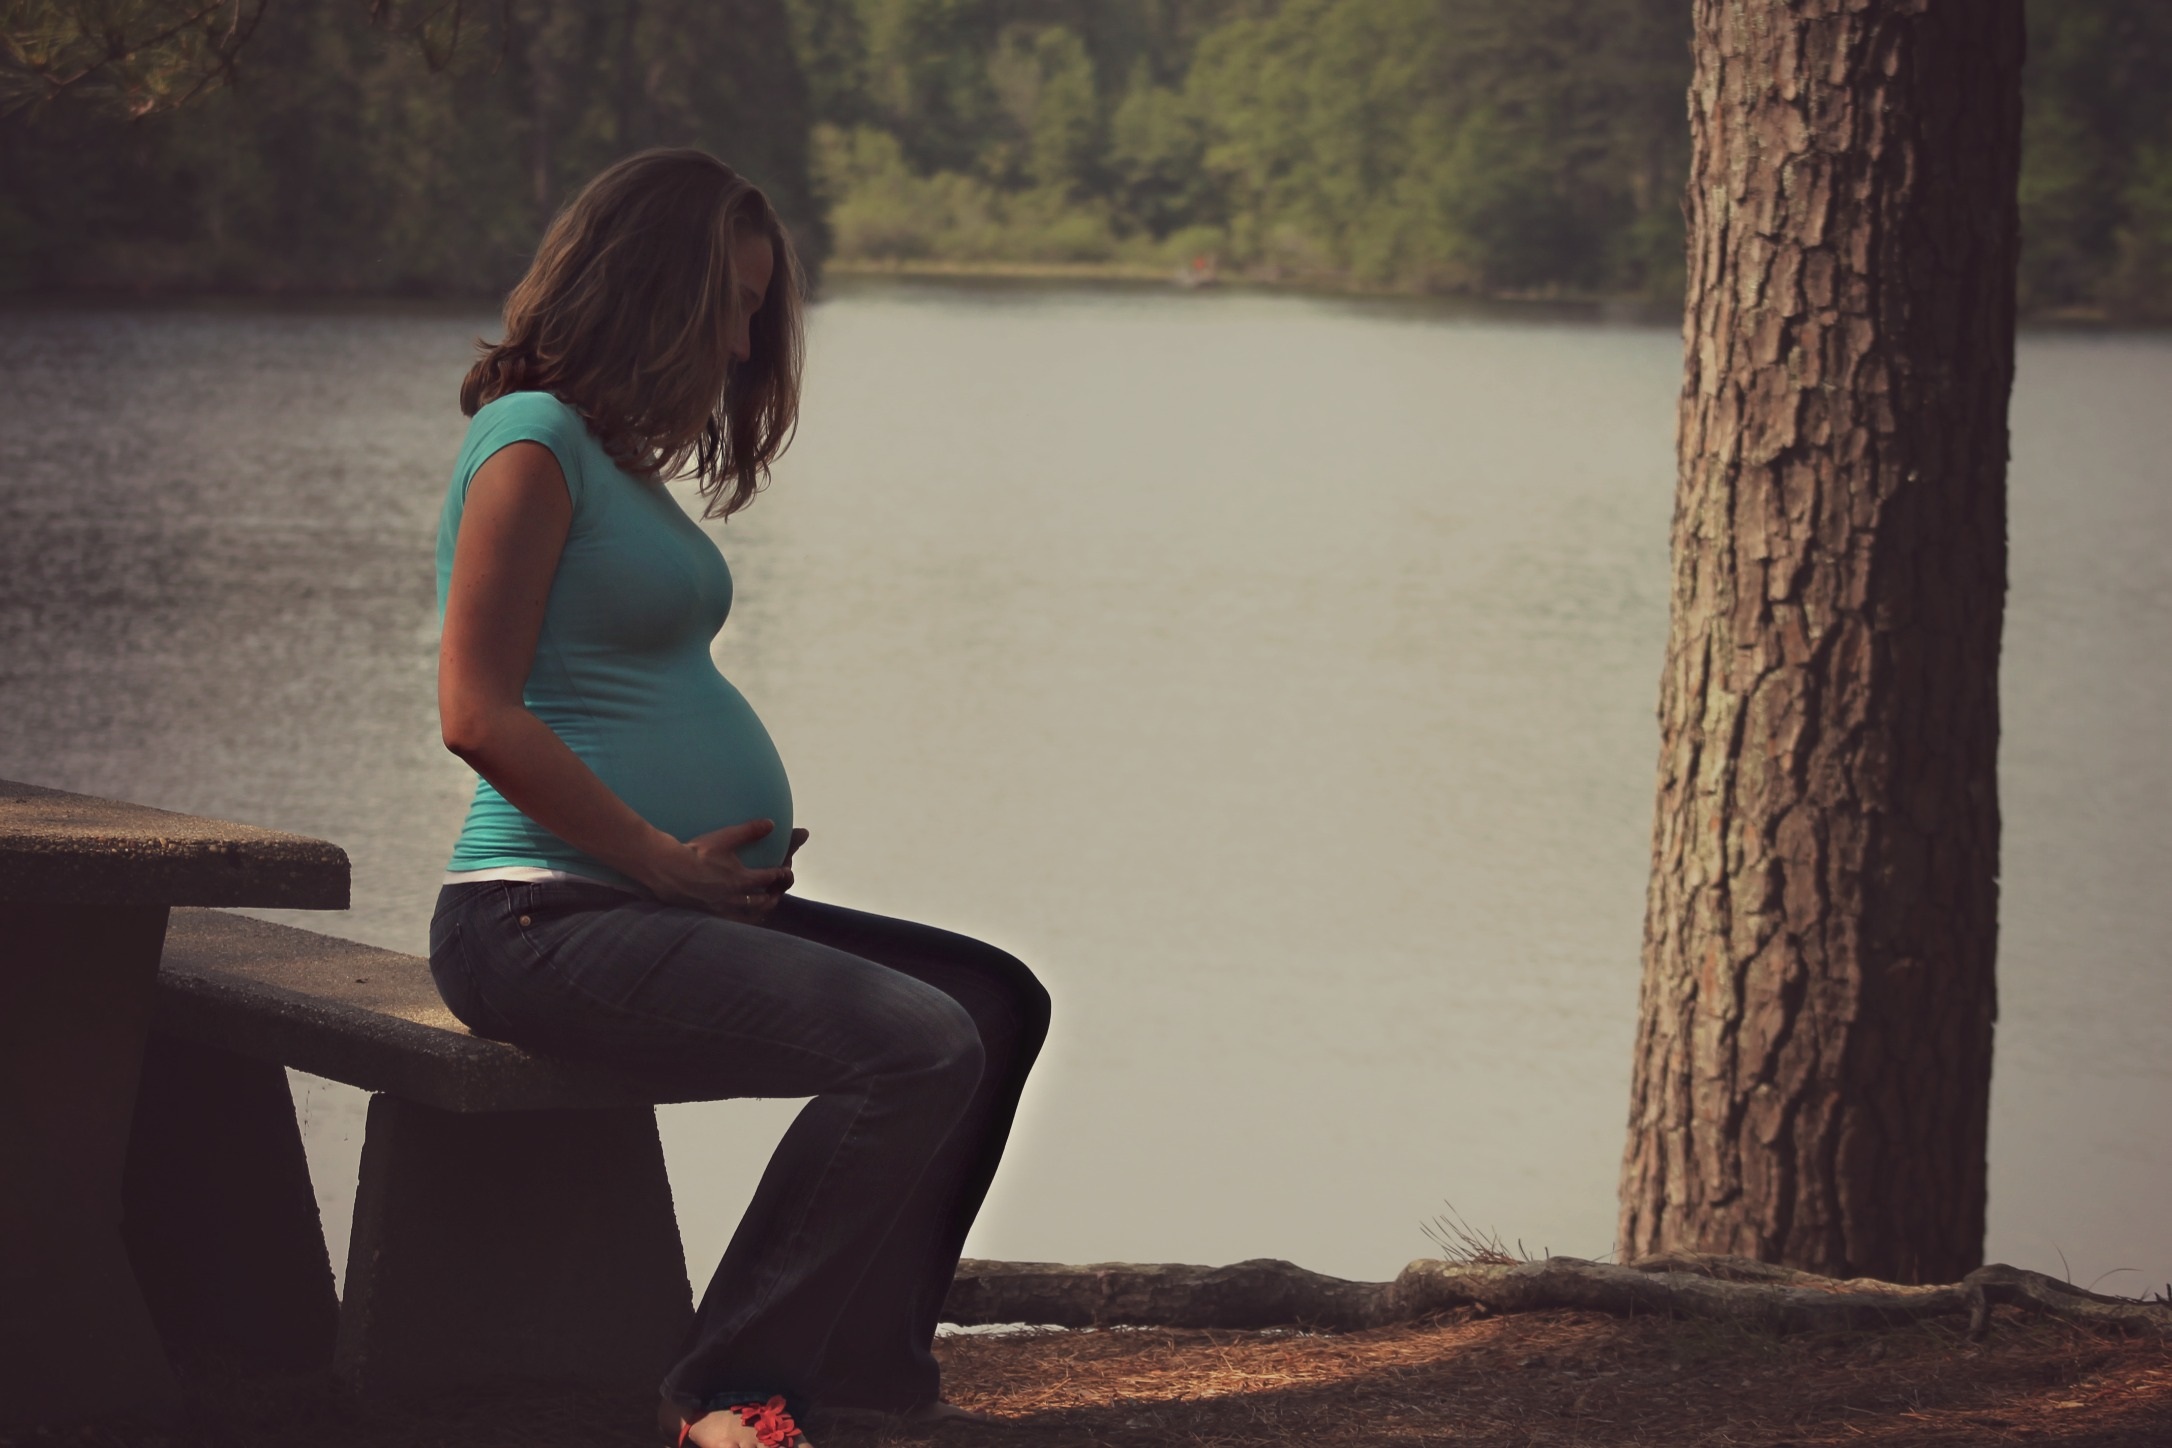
(1559, 1379)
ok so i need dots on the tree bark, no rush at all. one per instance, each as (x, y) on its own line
(1813, 1056)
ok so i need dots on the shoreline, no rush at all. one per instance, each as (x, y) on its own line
(1131, 277)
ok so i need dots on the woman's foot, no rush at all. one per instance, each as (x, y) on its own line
(714, 1430)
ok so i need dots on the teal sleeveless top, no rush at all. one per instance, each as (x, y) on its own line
(622, 671)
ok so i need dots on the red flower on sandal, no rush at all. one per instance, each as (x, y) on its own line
(770, 1422)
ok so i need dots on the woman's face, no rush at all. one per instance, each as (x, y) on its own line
(755, 264)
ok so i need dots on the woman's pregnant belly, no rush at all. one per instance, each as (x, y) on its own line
(702, 764)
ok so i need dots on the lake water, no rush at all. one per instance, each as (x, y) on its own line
(1275, 675)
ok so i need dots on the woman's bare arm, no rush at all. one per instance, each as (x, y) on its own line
(511, 532)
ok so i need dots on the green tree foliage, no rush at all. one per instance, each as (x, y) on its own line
(1157, 158)
(1517, 146)
(2096, 179)
(129, 56)
(340, 156)
(1495, 144)
(1492, 145)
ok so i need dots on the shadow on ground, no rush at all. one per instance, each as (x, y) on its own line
(1552, 1378)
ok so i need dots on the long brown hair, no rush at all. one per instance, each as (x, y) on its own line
(626, 316)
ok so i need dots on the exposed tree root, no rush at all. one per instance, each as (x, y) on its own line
(1265, 1292)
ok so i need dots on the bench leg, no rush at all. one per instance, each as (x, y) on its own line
(221, 1222)
(76, 984)
(516, 1244)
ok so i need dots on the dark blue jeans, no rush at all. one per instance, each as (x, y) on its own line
(913, 1042)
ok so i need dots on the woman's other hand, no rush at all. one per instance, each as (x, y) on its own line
(706, 872)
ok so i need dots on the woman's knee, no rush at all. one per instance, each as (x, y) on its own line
(1034, 1005)
(938, 1039)
(1018, 1025)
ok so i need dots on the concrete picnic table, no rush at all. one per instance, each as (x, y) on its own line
(85, 889)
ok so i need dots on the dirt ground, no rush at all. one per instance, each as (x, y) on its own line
(1549, 1378)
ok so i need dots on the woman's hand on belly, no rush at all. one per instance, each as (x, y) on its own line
(707, 873)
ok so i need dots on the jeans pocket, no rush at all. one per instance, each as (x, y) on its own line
(455, 977)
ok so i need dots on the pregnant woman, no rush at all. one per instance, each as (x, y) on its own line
(620, 893)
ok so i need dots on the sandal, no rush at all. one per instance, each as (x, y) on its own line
(771, 1421)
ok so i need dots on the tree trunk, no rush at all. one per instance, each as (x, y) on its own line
(1813, 1060)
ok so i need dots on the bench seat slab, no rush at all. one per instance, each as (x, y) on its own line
(512, 1244)
(354, 1013)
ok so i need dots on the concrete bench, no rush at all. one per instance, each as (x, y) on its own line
(85, 888)
(513, 1218)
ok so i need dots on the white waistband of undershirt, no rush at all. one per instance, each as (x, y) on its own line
(526, 875)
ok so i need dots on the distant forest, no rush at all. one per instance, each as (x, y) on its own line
(346, 159)
(1503, 147)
